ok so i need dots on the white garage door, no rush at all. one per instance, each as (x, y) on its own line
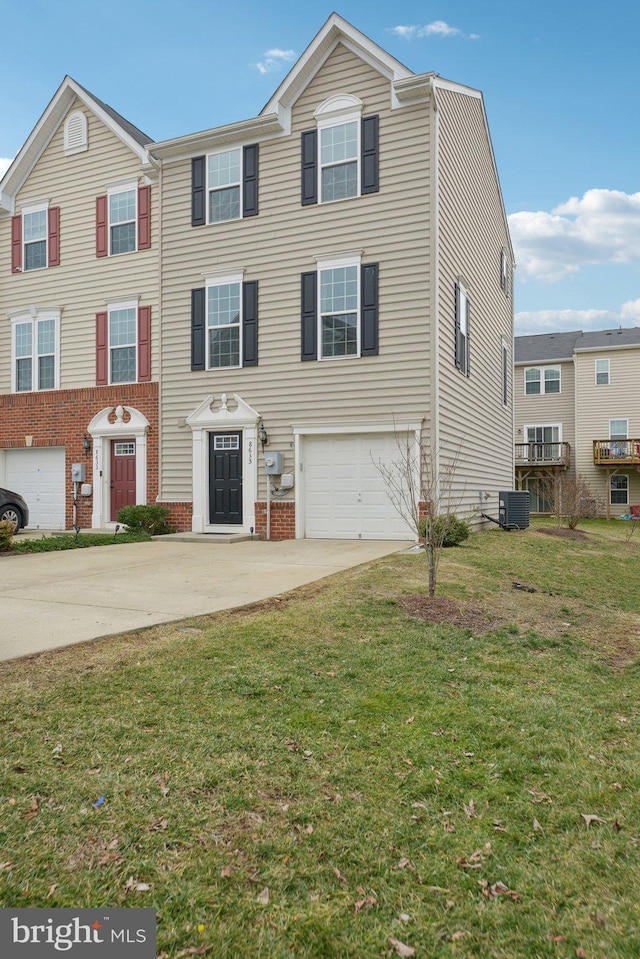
(38, 475)
(345, 495)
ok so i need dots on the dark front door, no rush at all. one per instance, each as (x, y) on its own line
(225, 479)
(123, 475)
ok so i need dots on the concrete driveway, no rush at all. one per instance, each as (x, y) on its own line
(57, 599)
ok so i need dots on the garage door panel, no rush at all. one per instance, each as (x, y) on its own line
(345, 494)
(39, 476)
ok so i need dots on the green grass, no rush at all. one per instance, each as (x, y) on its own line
(354, 761)
(50, 544)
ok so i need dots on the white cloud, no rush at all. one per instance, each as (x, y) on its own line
(559, 321)
(274, 59)
(438, 28)
(601, 227)
(4, 166)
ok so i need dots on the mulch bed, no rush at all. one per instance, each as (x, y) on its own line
(564, 532)
(441, 609)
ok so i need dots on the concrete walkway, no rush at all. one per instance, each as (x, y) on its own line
(57, 599)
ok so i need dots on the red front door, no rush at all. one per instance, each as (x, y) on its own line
(123, 475)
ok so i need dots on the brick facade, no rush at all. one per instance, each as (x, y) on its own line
(61, 418)
(180, 516)
(283, 519)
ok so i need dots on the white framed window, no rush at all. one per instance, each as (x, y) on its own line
(123, 219)
(603, 372)
(124, 449)
(619, 429)
(75, 133)
(505, 374)
(224, 179)
(339, 156)
(462, 340)
(504, 283)
(123, 342)
(34, 237)
(35, 350)
(541, 379)
(226, 442)
(224, 322)
(619, 489)
(339, 308)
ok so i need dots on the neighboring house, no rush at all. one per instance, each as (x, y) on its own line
(79, 343)
(577, 412)
(326, 281)
(337, 273)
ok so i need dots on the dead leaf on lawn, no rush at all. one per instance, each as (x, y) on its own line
(498, 889)
(599, 919)
(470, 810)
(581, 954)
(589, 819)
(401, 948)
(132, 884)
(539, 797)
(6, 865)
(264, 897)
(367, 901)
(456, 936)
(473, 862)
(405, 863)
(52, 889)
(553, 938)
(226, 871)
(338, 875)
(194, 951)
(160, 824)
(536, 825)
(408, 721)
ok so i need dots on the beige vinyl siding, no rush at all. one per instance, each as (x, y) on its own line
(83, 283)
(473, 421)
(547, 409)
(599, 404)
(390, 228)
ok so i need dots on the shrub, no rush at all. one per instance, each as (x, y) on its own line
(150, 519)
(449, 530)
(6, 536)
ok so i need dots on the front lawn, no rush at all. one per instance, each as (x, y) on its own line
(325, 775)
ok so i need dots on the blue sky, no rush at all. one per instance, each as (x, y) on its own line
(559, 80)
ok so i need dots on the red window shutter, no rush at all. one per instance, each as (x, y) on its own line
(102, 227)
(54, 236)
(144, 217)
(16, 243)
(144, 344)
(102, 349)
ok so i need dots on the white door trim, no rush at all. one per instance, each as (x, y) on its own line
(205, 420)
(102, 431)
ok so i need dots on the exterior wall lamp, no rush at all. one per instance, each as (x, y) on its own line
(86, 443)
(263, 436)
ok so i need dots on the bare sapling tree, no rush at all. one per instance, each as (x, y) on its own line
(570, 499)
(420, 485)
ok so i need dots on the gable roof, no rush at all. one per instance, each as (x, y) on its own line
(41, 135)
(609, 339)
(545, 346)
(275, 117)
(550, 347)
(335, 30)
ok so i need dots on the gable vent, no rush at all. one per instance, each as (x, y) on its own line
(75, 133)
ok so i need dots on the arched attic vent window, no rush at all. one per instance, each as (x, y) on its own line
(75, 133)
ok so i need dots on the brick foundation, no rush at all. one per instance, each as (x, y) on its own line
(61, 418)
(180, 516)
(283, 519)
